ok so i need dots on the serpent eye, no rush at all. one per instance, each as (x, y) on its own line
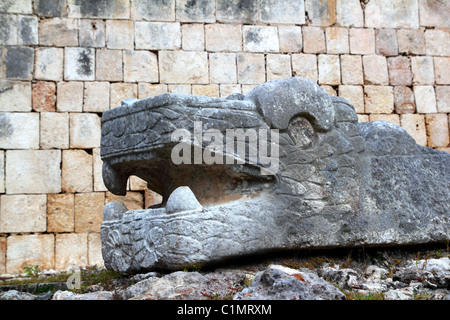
(302, 132)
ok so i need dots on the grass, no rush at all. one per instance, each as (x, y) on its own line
(350, 295)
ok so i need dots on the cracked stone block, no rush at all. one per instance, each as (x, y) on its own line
(54, 130)
(109, 65)
(195, 11)
(209, 90)
(71, 249)
(119, 34)
(321, 13)
(329, 69)
(8, 27)
(305, 66)
(278, 66)
(423, 70)
(392, 14)
(33, 171)
(95, 256)
(113, 9)
(140, 66)
(89, 211)
(10, 6)
(362, 41)
(147, 90)
(223, 37)
(349, 13)
(28, 30)
(434, 13)
(354, 95)
(92, 33)
(79, 64)
(313, 40)
(282, 11)
(60, 212)
(290, 38)
(404, 100)
(237, 11)
(97, 164)
(193, 37)
(19, 130)
(437, 42)
(375, 70)
(441, 70)
(392, 118)
(443, 98)
(352, 69)
(19, 63)
(386, 42)
(251, 68)
(30, 250)
(222, 67)
(49, 64)
(411, 41)
(425, 99)
(85, 130)
(157, 35)
(50, 8)
(153, 10)
(76, 171)
(69, 96)
(58, 32)
(399, 71)
(15, 96)
(260, 39)
(414, 124)
(183, 67)
(44, 96)
(121, 91)
(437, 130)
(23, 213)
(337, 40)
(132, 200)
(96, 96)
(379, 99)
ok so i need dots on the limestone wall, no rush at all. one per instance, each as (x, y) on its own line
(64, 62)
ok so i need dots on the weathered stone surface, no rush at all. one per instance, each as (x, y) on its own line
(2, 171)
(434, 13)
(278, 66)
(209, 90)
(443, 98)
(229, 89)
(147, 90)
(131, 201)
(362, 41)
(121, 91)
(251, 68)
(237, 11)
(223, 37)
(379, 99)
(33, 171)
(153, 10)
(60, 212)
(19, 130)
(337, 40)
(349, 13)
(352, 69)
(15, 96)
(71, 249)
(183, 67)
(115, 9)
(313, 40)
(414, 124)
(23, 213)
(119, 34)
(441, 67)
(2, 255)
(375, 70)
(260, 39)
(19, 63)
(140, 66)
(58, 32)
(437, 42)
(411, 41)
(76, 171)
(79, 64)
(354, 95)
(425, 99)
(69, 96)
(92, 33)
(193, 37)
(54, 131)
(437, 130)
(109, 65)
(96, 96)
(28, 30)
(84, 130)
(393, 118)
(399, 71)
(44, 96)
(386, 42)
(392, 14)
(321, 13)
(195, 11)
(222, 67)
(89, 211)
(423, 71)
(24, 6)
(329, 69)
(305, 66)
(157, 35)
(282, 11)
(95, 250)
(404, 100)
(290, 38)
(50, 8)
(49, 64)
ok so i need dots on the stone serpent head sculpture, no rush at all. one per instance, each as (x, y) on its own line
(285, 167)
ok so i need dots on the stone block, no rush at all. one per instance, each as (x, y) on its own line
(85, 130)
(437, 42)
(152, 198)
(153, 10)
(425, 99)
(209, 90)
(329, 89)
(119, 34)
(147, 90)
(95, 256)
(92, 33)
(140, 66)
(15, 96)
(49, 64)
(441, 70)
(434, 13)
(76, 171)
(183, 67)
(352, 69)
(96, 96)
(121, 91)
(50, 8)
(246, 88)
(44, 96)
(251, 68)
(71, 249)
(30, 250)
(349, 13)
(260, 39)
(375, 70)
(337, 40)
(363, 117)
(422, 70)
(223, 37)
(9, 27)
(19, 63)
(58, 32)
(54, 130)
(132, 200)
(354, 95)
(399, 71)
(392, 118)
(404, 100)
(157, 35)
(24, 6)
(313, 40)
(69, 96)
(2, 255)
(136, 184)
(193, 37)
(19, 130)
(379, 99)
(290, 38)
(437, 130)
(60, 212)
(386, 42)
(79, 64)
(180, 88)
(222, 67)
(97, 165)
(329, 69)
(392, 14)
(411, 41)
(362, 41)
(282, 11)
(109, 65)
(113, 9)
(237, 11)
(228, 89)
(195, 11)
(2, 171)
(305, 66)
(23, 213)
(28, 30)
(33, 171)
(89, 211)
(443, 98)
(321, 13)
(278, 66)
(414, 124)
